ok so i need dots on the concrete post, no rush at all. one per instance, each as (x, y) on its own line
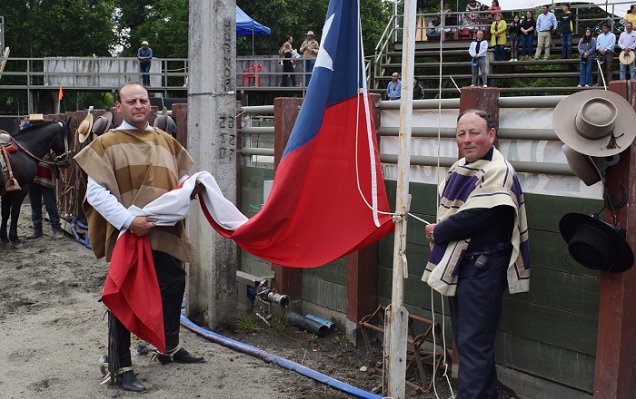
(212, 143)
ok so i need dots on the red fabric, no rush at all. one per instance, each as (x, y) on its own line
(315, 213)
(131, 291)
(44, 172)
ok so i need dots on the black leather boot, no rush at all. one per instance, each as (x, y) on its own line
(34, 234)
(179, 355)
(128, 381)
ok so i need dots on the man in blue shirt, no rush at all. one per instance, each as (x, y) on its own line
(394, 89)
(605, 43)
(144, 55)
(546, 24)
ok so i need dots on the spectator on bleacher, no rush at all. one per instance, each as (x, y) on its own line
(546, 24)
(514, 30)
(498, 37)
(394, 88)
(528, 26)
(477, 50)
(472, 14)
(418, 94)
(309, 50)
(605, 43)
(631, 15)
(568, 23)
(494, 9)
(627, 43)
(587, 53)
(449, 22)
(285, 53)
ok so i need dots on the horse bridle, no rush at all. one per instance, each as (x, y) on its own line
(60, 160)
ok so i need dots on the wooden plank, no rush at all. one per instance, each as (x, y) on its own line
(324, 293)
(551, 326)
(549, 250)
(423, 196)
(253, 265)
(562, 291)
(545, 211)
(531, 387)
(416, 256)
(334, 272)
(563, 366)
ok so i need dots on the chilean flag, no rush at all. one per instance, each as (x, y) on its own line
(328, 195)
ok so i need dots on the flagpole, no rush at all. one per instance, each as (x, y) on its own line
(396, 328)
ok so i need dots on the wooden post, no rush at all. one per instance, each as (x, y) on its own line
(287, 280)
(212, 293)
(616, 342)
(362, 271)
(180, 116)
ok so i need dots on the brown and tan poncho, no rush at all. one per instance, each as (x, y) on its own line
(136, 166)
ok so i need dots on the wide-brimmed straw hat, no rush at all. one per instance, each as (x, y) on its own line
(596, 244)
(85, 128)
(626, 58)
(595, 122)
(102, 124)
(310, 33)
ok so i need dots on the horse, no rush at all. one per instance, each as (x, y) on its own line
(31, 145)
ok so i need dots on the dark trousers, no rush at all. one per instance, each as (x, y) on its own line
(144, 67)
(288, 69)
(172, 285)
(566, 44)
(475, 313)
(36, 193)
(527, 45)
(606, 68)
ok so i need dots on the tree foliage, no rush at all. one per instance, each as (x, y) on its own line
(48, 28)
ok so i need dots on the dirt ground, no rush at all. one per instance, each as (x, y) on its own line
(53, 331)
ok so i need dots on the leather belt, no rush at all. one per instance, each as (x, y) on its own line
(492, 254)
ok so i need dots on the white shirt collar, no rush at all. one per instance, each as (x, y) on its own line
(127, 126)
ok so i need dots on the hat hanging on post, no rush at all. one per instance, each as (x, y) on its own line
(102, 124)
(589, 169)
(588, 122)
(626, 58)
(596, 244)
(84, 129)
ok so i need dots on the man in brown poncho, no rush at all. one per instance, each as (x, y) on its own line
(133, 165)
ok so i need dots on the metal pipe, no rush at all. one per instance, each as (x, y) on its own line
(447, 103)
(530, 101)
(449, 133)
(312, 326)
(282, 362)
(520, 166)
(330, 325)
(258, 109)
(256, 151)
(257, 130)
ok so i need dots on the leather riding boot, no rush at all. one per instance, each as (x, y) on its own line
(57, 234)
(179, 355)
(128, 381)
(34, 234)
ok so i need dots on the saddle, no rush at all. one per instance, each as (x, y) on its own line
(6, 177)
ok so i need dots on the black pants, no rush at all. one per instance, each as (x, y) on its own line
(475, 313)
(172, 286)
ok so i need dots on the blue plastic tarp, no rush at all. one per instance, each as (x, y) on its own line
(246, 26)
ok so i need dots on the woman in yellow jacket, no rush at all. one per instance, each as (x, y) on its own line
(498, 37)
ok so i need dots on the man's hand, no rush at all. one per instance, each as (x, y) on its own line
(141, 226)
(197, 189)
(429, 234)
(627, 50)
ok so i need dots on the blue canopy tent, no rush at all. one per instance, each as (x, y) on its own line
(246, 26)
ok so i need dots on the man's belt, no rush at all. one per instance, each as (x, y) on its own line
(489, 255)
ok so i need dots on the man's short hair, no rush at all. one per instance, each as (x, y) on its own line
(490, 124)
(131, 83)
(395, 74)
(605, 25)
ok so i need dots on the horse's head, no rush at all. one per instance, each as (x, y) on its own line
(61, 142)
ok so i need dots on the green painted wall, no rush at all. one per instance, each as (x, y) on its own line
(549, 332)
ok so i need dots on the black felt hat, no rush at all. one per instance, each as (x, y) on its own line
(596, 244)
